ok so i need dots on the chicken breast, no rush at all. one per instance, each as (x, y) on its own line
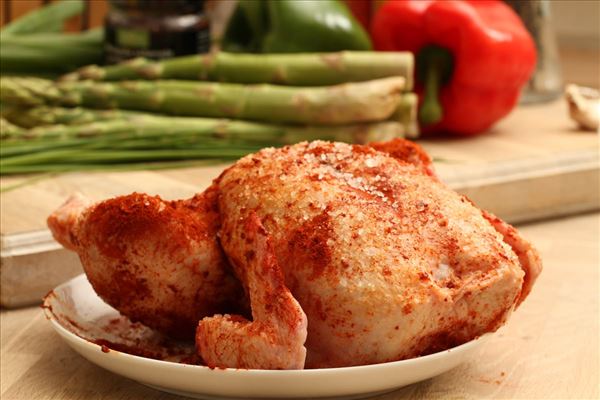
(386, 262)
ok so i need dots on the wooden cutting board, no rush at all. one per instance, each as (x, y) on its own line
(534, 164)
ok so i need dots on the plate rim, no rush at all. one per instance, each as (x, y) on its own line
(63, 331)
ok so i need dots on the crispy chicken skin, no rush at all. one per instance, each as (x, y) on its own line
(347, 254)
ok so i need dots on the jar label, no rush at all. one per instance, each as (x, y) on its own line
(132, 38)
(122, 44)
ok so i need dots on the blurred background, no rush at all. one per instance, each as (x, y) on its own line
(575, 23)
(578, 32)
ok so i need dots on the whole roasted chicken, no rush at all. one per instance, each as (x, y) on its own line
(313, 255)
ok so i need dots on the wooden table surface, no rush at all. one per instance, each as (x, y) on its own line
(549, 349)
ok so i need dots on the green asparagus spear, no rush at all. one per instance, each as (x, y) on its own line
(310, 69)
(374, 100)
(7, 129)
(26, 117)
(49, 18)
(38, 116)
(51, 53)
(406, 114)
(166, 128)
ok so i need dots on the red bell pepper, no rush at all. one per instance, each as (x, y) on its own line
(472, 58)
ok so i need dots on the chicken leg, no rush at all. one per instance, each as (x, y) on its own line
(157, 262)
(275, 338)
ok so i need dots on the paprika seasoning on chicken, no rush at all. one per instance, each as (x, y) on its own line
(472, 58)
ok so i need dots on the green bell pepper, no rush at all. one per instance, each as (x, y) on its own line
(292, 26)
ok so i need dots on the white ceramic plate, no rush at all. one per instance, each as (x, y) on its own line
(85, 322)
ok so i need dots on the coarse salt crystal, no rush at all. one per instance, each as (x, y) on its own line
(371, 162)
(370, 251)
(442, 272)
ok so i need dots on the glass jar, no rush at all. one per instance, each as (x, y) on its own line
(546, 82)
(155, 29)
